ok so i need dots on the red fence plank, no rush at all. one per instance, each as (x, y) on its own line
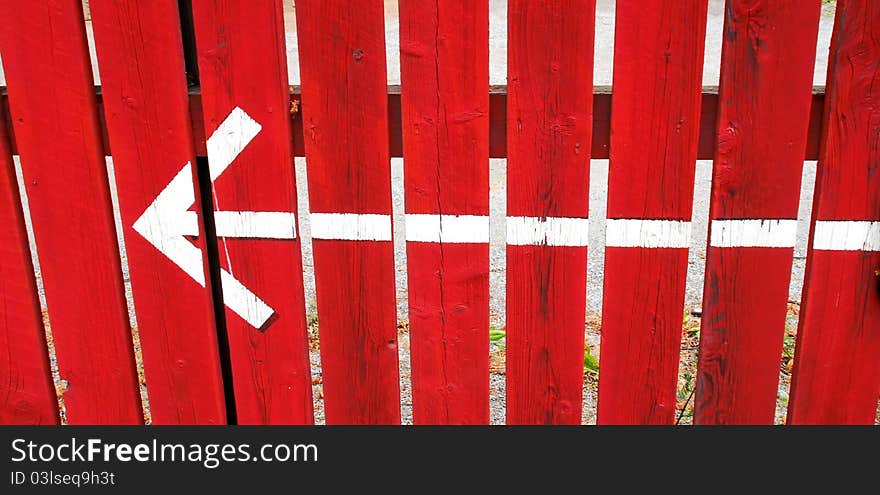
(837, 366)
(549, 122)
(658, 53)
(342, 58)
(243, 71)
(52, 104)
(445, 72)
(27, 395)
(766, 75)
(145, 101)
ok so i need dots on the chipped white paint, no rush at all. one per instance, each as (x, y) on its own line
(549, 231)
(833, 235)
(641, 233)
(458, 229)
(766, 233)
(351, 227)
(245, 224)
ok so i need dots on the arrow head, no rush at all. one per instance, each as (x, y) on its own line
(167, 220)
(163, 223)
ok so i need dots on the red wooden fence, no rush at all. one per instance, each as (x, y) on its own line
(214, 244)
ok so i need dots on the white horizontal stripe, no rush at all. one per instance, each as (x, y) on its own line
(255, 224)
(351, 227)
(245, 224)
(634, 232)
(447, 228)
(770, 233)
(833, 235)
(549, 231)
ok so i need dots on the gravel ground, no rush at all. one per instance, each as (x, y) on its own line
(598, 198)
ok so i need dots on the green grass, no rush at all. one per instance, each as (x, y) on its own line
(591, 364)
(685, 394)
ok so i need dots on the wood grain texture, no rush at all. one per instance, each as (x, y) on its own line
(342, 61)
(27, 394)
(52, 102)
(146, 107)
(242, 63)
(836, 376)
(655, 123)
(445, 73)
(766, 75)
(549, 122)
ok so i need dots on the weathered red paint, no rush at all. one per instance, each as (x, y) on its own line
(549, 123)
(52, 103)
(148, 125)
(342, 63)
(445, 72)
(242, 63)
(27, 395)
(658, 53)
(836, 376)
(766, 77)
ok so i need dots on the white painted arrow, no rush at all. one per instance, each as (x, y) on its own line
(167, 221)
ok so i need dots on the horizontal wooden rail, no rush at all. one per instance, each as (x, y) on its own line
(497, 121)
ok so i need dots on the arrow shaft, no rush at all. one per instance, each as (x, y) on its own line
(837, 235)
(447, 228)
(245, 224)
(255, 224)
(351, 227)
